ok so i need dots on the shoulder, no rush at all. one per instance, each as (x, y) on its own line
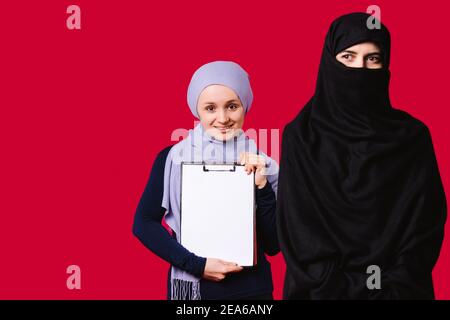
(412, 123)
(288, 127)
(299, 121)
(289, 131)
(161, 157)
(164, 153)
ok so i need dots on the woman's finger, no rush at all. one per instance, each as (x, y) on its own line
(261, 170)
(247, 158)
(259, 160)
(251, 158)
(242, 158)
(249, 168)
(233, 269)
(220, 277)
(256, 159)
(229, 263)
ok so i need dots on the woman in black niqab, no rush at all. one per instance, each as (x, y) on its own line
(359, 184)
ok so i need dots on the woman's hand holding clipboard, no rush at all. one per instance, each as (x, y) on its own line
(255, 163)
(217, 269)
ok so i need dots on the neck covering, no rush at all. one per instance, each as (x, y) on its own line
(359, 184)
(199, 146)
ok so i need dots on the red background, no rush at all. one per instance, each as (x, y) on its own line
(84, 113)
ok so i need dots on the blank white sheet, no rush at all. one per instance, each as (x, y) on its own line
(218, 212)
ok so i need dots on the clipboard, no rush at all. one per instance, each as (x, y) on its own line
(218, 212)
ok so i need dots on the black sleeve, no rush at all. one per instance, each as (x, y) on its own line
(148, 229)
(266, 219)
(411, 275)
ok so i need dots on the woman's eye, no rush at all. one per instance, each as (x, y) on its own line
(233, 106)
(209, 108)
(346, 56)
(374, 59)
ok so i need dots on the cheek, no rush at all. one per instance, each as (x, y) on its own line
(346, 62)
(375, 66)
(342, 60)
(238, 117)
(206, 119)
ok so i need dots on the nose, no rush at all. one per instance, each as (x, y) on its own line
(222, 116)
(360, 63)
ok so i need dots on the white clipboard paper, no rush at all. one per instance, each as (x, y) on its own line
(218, 212)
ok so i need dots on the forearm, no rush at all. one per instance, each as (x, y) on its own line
(158, 240)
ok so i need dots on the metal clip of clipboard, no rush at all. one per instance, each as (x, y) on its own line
(219, 167)
(215, 166)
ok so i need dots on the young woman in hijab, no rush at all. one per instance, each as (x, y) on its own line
(359, 184)
(220, 95)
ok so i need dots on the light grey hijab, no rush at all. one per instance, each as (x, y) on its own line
(199, 146)
(226, 73)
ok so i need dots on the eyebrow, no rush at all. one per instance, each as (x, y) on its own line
(233, 100)
(349, 51)
(366, 55)
(373, 53)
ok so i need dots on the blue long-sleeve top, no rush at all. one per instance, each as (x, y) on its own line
(148, 229)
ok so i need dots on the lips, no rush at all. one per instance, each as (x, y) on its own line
(223, 129)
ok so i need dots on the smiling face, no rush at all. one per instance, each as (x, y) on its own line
(220, 111)
(363, 55)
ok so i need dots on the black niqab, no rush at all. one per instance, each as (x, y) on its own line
(359, 184)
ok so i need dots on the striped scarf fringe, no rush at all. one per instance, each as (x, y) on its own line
(185, 290)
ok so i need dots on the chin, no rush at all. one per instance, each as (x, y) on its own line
(224, 136)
